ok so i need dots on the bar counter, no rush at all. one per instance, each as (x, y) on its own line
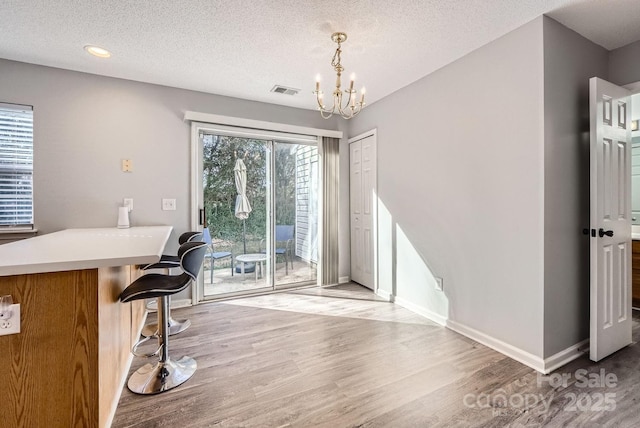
(69, 363)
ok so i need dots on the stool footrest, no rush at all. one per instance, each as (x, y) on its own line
(175, 327)
(134, 349)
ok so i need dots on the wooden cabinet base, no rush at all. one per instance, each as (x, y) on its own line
(68, 364)
(635, 273)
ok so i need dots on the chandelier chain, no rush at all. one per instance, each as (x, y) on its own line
(335, 62)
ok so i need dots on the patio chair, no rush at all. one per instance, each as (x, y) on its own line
(214, 255)
(284, 244)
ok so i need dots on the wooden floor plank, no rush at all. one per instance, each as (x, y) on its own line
(342, 357)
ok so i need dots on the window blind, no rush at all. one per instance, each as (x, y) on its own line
(16, 166)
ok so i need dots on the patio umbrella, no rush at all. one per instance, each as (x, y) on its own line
(243, 207)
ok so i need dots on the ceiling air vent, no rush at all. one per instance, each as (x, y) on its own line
(279, 89)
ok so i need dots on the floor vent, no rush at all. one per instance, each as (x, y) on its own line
(279, 89)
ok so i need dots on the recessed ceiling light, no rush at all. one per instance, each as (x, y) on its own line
(97, 51)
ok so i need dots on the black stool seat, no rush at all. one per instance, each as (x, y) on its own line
(168, 261)
(154, 285)
(166, 373)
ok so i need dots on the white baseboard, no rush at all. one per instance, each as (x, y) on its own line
(544, 366)
(510, 351)
(343, 279)
(565, 356)
(437, 318)
(384, 294)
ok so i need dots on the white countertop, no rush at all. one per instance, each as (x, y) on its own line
(75, 249)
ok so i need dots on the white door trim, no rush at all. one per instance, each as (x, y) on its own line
(633, 87)
(371, 133)
(364, 135)
(271, 134)
(610, 211)
(260, 125)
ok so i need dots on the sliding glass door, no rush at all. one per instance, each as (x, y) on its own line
(296, 213)
(236, 198)
(258, 200)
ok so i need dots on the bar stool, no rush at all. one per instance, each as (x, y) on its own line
(166, 373)
(169, 262)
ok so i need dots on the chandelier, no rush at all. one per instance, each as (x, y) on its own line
(348, 107)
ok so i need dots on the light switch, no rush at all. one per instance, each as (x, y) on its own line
(128, 202)
(127, 165)
(168, 205)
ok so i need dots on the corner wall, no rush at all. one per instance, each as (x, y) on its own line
(460, 182)
(624, 64)
(569, 61)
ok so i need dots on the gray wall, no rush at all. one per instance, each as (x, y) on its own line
(460, 182)
(569, 61)
(85, 124)
(624, 64)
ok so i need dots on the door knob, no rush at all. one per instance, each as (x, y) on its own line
(603, 232)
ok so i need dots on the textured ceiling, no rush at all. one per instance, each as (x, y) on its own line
(243, 48)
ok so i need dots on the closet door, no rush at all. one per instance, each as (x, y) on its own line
(362, 177)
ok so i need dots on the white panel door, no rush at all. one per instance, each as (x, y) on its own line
(610, 233)
(368, 206)
(355, 198)
(363, 205)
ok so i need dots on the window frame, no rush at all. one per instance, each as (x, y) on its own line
(19, 227)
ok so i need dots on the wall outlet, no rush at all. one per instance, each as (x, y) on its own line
(439, 286)
(128, 202)
(168, 205)
(10, 320)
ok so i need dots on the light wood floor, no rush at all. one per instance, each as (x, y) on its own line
(340, 357)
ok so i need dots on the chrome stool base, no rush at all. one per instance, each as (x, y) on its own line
(175, 327)
(162, 376)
